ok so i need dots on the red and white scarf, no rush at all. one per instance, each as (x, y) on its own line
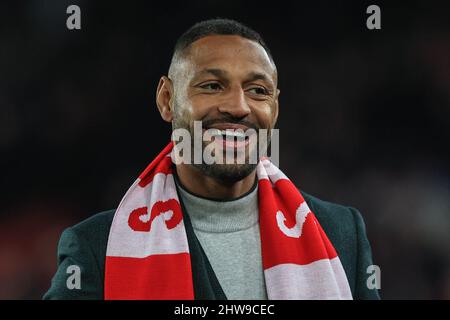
(148, 254)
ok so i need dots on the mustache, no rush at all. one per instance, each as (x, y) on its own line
(209, 122)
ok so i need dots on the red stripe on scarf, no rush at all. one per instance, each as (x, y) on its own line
(129, 278)
(164, 166)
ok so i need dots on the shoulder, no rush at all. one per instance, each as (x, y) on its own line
(332, 214)
(341, 223)
(95, 229)
(96, 226)
(93, 232)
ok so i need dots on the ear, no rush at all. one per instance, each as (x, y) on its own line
(164, 98)
(275, 111)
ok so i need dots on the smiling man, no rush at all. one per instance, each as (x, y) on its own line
(191, 228)
(228, 82)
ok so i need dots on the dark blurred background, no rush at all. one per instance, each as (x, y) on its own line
(364, 121)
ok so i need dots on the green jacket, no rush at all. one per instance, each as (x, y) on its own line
(85, 244)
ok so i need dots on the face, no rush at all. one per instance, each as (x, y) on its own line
(227, 82)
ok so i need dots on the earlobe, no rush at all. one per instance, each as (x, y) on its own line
(164, 97)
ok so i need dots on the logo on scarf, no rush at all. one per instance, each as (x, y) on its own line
(300, 217)
(140, 220)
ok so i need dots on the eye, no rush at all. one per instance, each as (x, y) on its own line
(213, 86)
(258, 90)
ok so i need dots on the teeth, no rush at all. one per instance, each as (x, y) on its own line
(214, 132)
(229, 133)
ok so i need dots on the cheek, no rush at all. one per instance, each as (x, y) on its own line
(201, 106)
(183, 108)
(265, 114)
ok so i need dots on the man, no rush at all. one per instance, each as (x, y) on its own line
(212, 230)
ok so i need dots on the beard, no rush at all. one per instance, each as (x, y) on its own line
(226, 172)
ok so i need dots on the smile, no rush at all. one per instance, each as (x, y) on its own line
(229, 136)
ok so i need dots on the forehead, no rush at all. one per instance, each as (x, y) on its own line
(230, 52)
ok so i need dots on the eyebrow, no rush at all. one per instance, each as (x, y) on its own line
(220, 73)
(215, 72)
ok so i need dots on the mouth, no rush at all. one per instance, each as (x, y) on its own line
(229, 135)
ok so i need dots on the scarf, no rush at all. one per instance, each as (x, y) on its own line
(148, 257)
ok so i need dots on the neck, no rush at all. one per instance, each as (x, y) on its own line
(199, 184)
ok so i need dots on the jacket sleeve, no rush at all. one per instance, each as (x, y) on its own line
(364, 260)
(75, 259)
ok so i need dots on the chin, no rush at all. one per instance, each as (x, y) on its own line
(228, 173)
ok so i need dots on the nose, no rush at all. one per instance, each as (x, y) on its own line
(235, 104)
